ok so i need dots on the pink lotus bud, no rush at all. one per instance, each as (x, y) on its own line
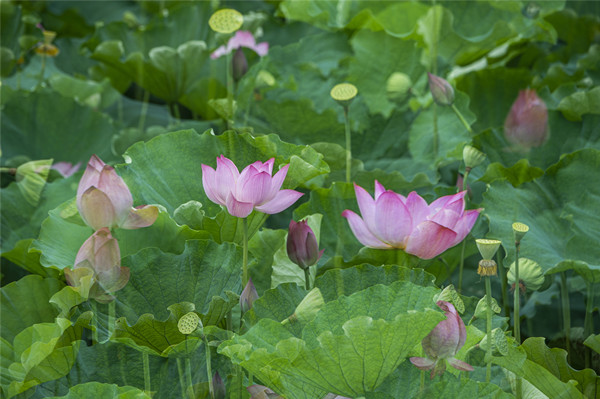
(442, 92)
(253, 188)
(443, 343)
(100, 258)
(526, 124)
(302, 246)
(239, 64)
(248, 296)
(104, 200)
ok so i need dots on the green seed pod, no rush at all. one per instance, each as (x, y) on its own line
(344, 93)
(530, 273)
(398, 86)
(264, 79)
(226, 21)
(487, 248)
(472, 156)
(188, 323)
(519, 231)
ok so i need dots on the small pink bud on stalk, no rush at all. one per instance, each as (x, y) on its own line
(526, 124)
(302, 246)
(239, 64)
(443, 343)
(441, 90)
(248, 296)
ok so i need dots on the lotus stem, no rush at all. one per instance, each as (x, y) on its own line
(147, 382)
(188, 375)
(245, 256)
(111, 318)
(503, 282)
(588, 325)
(516, 298)
(348, 144)
(144, 111)
(42, 70)
(307, 278)
(211, 389)
(462, 119)
(176, 112)
(181, 377)
(464, 243)
(436, 138)
(566, 309)
(488, 325)
(229, 69)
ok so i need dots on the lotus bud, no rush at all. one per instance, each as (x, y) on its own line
(519, 231)
(239, 64)
(188, 323)
(219, 387)
(472, 157)
(249, 295)
(442, 92)
(308, 308)
(398, 86)
(530, 274)
(302, 246)
(344, 93)
(526, 124)
(488, 248)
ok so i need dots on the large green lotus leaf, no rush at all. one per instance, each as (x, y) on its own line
(44, 124)
(338, 282)
(580, 103)
(452, 134)
(518, 362)
(205, 274)
(373, 336)
(593, 342)
(98, 390)
(29, 261)
(517, 174)
(560, 218)
(262, 246)
(98, 95)
(63, 233)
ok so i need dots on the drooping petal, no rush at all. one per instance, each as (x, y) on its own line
(142, 216)
(361, 231)
(393, 223)
(262, 49)
(460, 365)
(210, 185)
(442, 342)
(429, 239)
(417, 207)
(115, 188)
(366, 204)
(464, 225)
(283, 200)
(96, 209)
(422, 363)
(238, 208)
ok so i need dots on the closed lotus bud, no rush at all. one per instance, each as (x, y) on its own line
(219, 387)
(472, 157)
(302, 246)
(308, 308)
(398, 86)
(530, 274)
(442, 92)
(239, 64)
(249, 295)
(526, 124)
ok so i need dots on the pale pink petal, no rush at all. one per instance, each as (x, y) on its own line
(209, 184)
(219, 52)
(86, 252)
(417, 207)
(255, 188)
(115, 188)
(66, 168)
(460, 365)
(96, 209)
(422, 363)
(107, 253)
(261, 49)
(464, 225)
(366, 204)
(242, 38)
(238, 208)
(248, 172)
(225, 178)
(446, 218)
(277, 181)
(429, 239)
(90, 176)
(379, 189)
(269, 165)
(283, 200)
(361, 232)
(393, 223)
(442, 202)
(139, 217)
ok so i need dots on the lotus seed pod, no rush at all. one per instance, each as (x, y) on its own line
(488, 248)
(441, 90)
(226, 21)
(519, 231)
(530, 273)
(398, 86)
(188, 323)
(449, 294)
(344, 93)
(472, 156)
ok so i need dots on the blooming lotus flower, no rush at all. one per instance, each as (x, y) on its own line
(98, 268)
(254, 188)
(526, 124)
(443, 342)
(242, 38)
(104, 200)
(302, 246)
(391, 220)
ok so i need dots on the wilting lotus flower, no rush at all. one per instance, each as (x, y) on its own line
(302, 246)
(104, 200)
(394, 221)
(526, 124)
(98, 267)
(254, 188)
(443, 342)
(241, 38)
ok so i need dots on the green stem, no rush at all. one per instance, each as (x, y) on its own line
(42, 70)
(348, 144)
(516, 299)
(488, 324)
(111, 318)
(181, 377)
(588, 325)
(307, 278)
(503, 282)
(245, 258)
(176, 113)
(436, 138)
(529, 321)
(211, 389)
(464, 243)
(239, 381)
(147, 382)
(462, 119)
(144, 111)
(229, 69)
(188, 375)
(566, 309)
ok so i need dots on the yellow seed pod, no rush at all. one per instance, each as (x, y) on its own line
(188, 323)
(519, 230)
(227, 20)
(49, 36)
(343, 92)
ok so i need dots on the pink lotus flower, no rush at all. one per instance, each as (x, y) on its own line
(443, 342)
(98, 267)
(526, 124)
(104, 200)
(391, 220)
(241, 38)
(302, 247)
(254, 188)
